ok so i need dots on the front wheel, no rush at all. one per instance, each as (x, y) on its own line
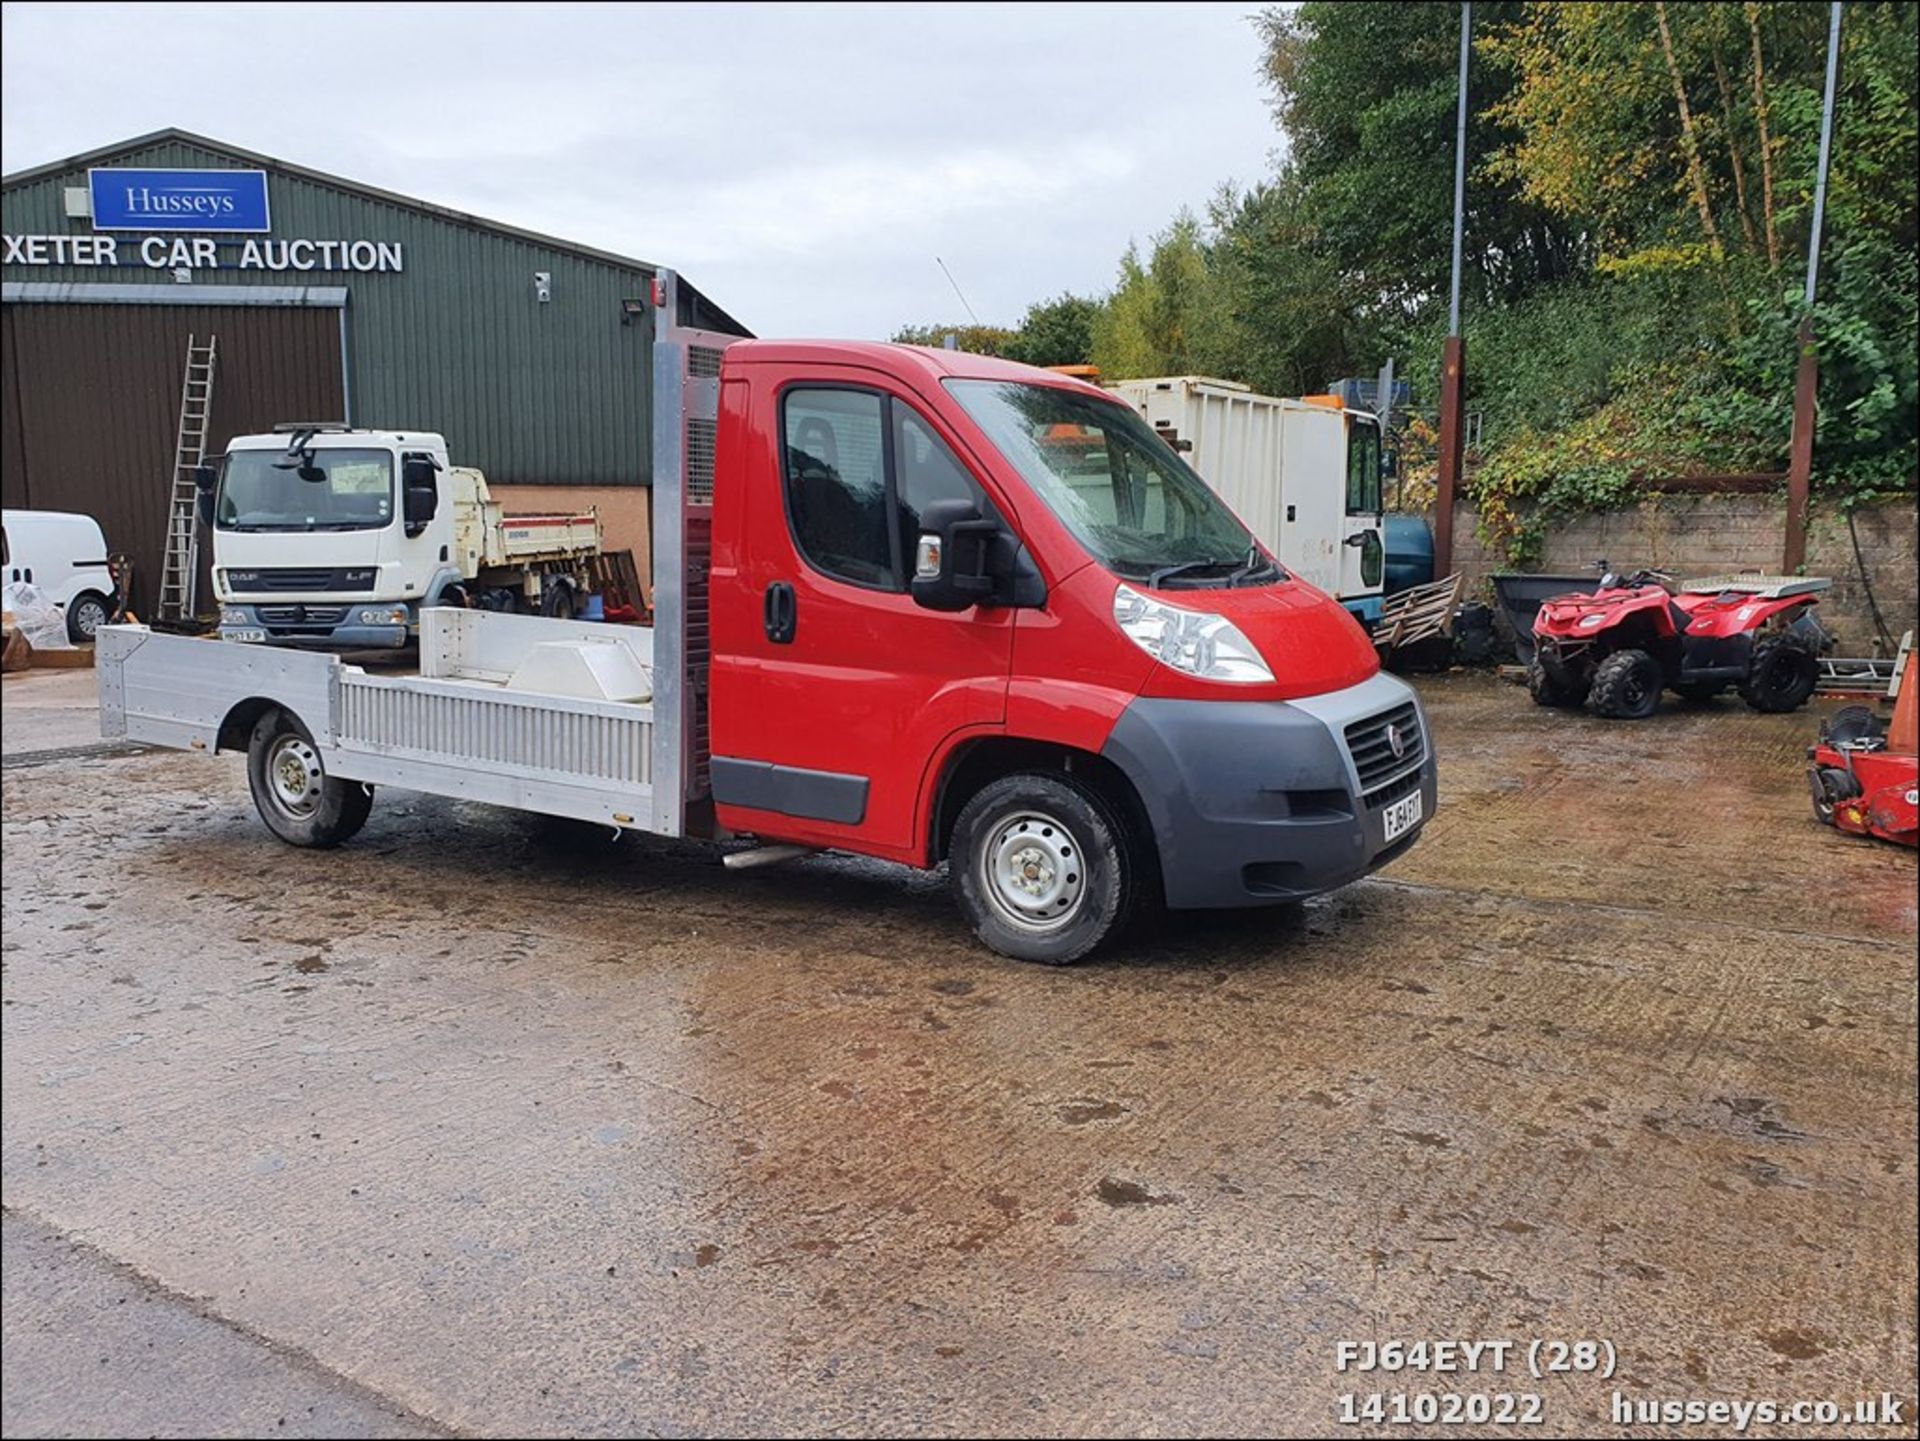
(1830, 786)
(1548, 688)
(1626, 686)
(1781, 677)
(295, 796)
(1042, 869)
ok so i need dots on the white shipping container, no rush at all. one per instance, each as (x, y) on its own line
(1282, 467)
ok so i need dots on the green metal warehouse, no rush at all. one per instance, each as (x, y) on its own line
(326, 300)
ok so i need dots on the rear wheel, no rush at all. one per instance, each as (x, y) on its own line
(1781, 677)
(1626, 686)
(1547, 688)
(1042, 868)
(557, 600)
(86, 613)
(295, 796)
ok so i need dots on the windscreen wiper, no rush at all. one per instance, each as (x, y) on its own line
(1257, 565)
(1168, 572)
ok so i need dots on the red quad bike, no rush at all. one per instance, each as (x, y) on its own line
(1616, 649)
(1865, 775)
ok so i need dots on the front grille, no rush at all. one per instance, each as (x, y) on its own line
(315, 615)
(1370, 742)
(289, 579)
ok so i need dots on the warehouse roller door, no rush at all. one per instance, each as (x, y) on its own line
(91, 395)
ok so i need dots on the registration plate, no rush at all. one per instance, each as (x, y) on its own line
(1402, 816)
(256, 636)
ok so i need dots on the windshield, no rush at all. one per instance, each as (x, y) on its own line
(329, 489)
(1116, 485)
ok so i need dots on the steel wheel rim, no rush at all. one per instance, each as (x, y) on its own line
(294, 776)
(1033, 872)
(89, 617)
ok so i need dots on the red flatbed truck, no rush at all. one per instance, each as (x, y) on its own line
(913, 604)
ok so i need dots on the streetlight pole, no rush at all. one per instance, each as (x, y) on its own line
(1806, 378)
(1453, 355)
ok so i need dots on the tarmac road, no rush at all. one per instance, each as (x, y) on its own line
(489, 1126)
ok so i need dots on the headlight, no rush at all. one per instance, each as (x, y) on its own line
(385, 615)
(1196, 642)
(233, 615)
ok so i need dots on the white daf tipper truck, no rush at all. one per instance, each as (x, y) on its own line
(1303, 474)
(332, 537)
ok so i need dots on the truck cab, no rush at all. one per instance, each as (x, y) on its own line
(333, 537)
(969, 610)
(327, 535)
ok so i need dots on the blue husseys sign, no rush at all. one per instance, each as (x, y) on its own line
(202, 200)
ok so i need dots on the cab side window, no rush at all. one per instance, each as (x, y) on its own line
(837, 484)
(860, 469)
(1363, 469)
(925, 471)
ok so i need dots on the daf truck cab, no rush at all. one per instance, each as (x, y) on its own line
(913, 604)
(329, 536)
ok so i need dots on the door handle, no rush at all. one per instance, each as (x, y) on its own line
(1290, 513)
(780, 613)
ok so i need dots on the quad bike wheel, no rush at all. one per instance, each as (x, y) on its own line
(1830, 786)
(1548, 689)
(1626, 686)
(1781, 677)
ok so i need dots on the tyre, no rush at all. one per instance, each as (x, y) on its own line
(1626, 686)
(1042, 868)
(295, 796)
(1781, 677)
(1548, 689)
(1830, 786)
(1699, 690)
(86, 613)
(557, 600)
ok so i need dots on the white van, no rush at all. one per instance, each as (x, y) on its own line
(65, 555)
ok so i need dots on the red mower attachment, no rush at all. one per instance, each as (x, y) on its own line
(1617, 648)
(1865, 774)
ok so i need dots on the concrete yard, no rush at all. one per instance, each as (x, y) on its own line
(485, 1125)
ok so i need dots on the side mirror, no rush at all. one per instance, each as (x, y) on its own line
(419, 492)
(952, 560)
(206, 485)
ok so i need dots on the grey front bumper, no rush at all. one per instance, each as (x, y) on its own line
(1261, 802)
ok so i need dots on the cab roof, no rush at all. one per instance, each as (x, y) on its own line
(922, 362)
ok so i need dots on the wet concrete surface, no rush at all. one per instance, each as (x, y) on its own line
(525, 1132)
(94, 1350)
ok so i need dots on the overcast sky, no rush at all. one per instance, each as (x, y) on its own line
(802, 163)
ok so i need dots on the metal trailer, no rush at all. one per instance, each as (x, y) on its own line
(456, 728)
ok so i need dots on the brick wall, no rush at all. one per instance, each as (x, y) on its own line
(1693, 536)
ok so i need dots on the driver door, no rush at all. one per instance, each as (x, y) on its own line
(824, 727)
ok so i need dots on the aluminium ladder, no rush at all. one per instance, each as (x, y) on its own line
(180, 569)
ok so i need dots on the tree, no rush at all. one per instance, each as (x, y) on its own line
(1055, 332)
